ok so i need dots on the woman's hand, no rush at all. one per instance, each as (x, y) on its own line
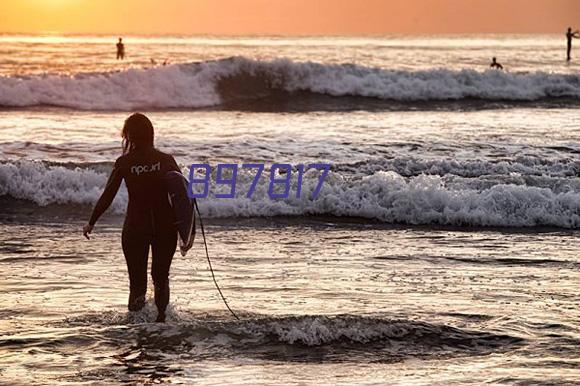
(87, 229)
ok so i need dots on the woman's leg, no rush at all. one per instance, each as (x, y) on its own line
(136, 251)
(163, 248)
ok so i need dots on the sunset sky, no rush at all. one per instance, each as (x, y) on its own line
(294, 17)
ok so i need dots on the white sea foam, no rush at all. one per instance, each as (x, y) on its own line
(384, 196)
(315, 331)
(210, 83)
(401, 336)
(518, 165)
(44, 185)
(162, 87)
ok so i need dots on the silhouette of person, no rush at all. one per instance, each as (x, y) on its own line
(495, 64)
(149, 221)
(569, 36)
(120, 49)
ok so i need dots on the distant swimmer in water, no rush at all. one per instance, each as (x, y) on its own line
(495, 64)
(150, 220)
(569, 36)
(120, 49)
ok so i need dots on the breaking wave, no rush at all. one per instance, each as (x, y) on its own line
(384, 196)
(213, 83)
(301, 336)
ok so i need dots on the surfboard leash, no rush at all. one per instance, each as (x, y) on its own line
(209, 262)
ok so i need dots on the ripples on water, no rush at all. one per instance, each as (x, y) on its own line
(59, 54)
(344, 302)
(364, 285)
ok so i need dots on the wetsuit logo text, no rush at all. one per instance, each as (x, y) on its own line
(138, 169)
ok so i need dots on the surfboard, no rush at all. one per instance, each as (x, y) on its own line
(183, 209)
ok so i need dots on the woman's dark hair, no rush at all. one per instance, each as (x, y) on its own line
(137, 133)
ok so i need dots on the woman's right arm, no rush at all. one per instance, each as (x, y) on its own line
(106, 198)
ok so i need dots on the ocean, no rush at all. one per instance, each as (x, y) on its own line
(441, 249)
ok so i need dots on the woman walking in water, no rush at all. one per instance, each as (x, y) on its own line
(149, 221)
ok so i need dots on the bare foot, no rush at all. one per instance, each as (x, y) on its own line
(137, 303)
(160, 318)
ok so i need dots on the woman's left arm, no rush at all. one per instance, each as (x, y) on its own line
(173, 164)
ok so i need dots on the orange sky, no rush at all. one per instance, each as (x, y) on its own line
(336, 17)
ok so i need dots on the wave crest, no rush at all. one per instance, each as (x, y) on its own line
(211, 83)
(255, 333)
(382, 196)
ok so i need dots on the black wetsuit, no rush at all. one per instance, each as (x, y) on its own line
(149, 221)
(120, 51)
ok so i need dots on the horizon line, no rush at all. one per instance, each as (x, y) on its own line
(292, 35)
